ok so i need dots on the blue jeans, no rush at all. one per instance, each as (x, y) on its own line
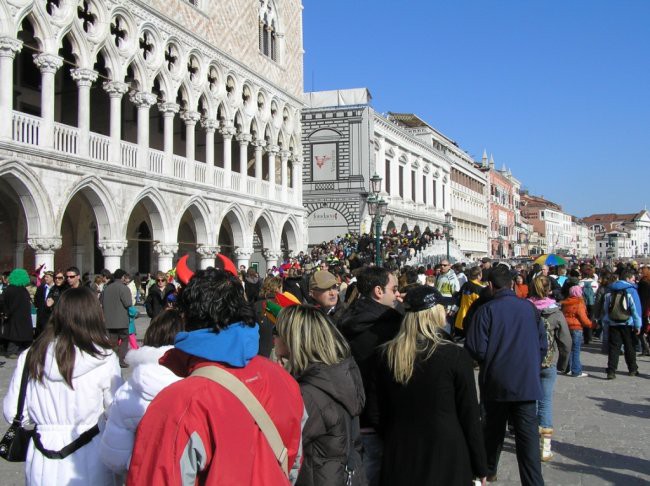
(545, 405)
(574, 360)
(373, 449)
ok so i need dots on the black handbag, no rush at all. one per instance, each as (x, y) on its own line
(14, 444)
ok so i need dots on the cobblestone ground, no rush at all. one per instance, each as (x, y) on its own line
(602, 431)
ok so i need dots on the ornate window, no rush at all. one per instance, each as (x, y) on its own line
(268, 30)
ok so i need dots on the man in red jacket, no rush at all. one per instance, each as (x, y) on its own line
(197, 432)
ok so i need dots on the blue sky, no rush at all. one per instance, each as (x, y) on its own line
(557, 90)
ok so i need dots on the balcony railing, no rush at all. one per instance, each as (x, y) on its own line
(27, 129)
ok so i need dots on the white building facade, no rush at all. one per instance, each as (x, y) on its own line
(132, 133)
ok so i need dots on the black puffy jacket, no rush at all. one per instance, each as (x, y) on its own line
(332, 395)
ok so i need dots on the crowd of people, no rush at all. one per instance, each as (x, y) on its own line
(320, 372)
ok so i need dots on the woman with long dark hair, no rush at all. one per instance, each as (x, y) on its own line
(73, 375)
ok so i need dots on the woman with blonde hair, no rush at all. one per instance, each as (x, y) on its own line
(318, 356)
(557, 356)
(429, 413)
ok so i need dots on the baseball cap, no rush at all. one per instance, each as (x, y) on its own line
(322, 280)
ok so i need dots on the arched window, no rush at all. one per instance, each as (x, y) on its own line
(268, 30)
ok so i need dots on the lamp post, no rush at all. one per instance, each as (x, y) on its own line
(377, 209)
(447, 229)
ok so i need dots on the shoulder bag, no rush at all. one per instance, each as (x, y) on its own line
(14, 444)
(231, 383)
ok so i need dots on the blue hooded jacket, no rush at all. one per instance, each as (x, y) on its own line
(633, 301)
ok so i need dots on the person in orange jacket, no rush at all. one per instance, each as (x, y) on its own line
(575, 312)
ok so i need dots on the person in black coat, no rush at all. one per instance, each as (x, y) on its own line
(316, 354)
(16, 306)
(43, 312)
(429, 413)
(156, 300)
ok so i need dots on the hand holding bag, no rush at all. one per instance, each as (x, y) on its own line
(14, 444)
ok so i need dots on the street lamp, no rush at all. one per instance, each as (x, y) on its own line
(447, 229)
(377, 209)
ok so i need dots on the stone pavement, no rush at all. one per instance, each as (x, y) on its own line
(602, 428)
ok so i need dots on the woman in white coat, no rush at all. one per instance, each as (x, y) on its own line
(73, 375)
(134, 396)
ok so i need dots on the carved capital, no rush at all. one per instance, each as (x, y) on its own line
(115, 89)
(243, 253)
(244, 138)
(84, 77)
(112, 248)
(190, 117)
(228, 131)
(143, 99)
(273, 149)
(259, 144)
(48, 63)
(165, 250)
(284, 155)
(297, 160)
(271, 254)
(207, 252)
(45, 245)
(210, 124)
(168, 108)
(9, 47)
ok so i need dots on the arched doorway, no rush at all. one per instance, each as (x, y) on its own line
(288, 241)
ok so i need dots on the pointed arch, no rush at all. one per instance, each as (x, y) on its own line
(237, 220)
(289, 235)
(264, 222)
(42, 30)
(201, 215)
(101, 200)
(33, 197)
(156, 207)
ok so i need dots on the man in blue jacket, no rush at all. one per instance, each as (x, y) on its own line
(508, 340)
(621, 331)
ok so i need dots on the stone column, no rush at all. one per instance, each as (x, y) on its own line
(210, 126)
(78, 256)
(296, 173)
(44, 249)
(190, 118)
(272, 257)
(273, 151)
(243, 139)
(284, 169)
(84, 78)
(380, 161)
(168, 110)
(8, 49)
(243, 256)
(20, 255)
(116, 90)
(144, 101)
(165, 255)
(227, 132)
(259, 151)
(112, 251)
(207, 254)
(48, 64)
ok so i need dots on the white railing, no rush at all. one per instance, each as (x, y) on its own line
(263, 189)
(180, 164)
(235, 181)
(66, 138)
(291, 194)
(199, 171)
(251, 186)
(100, 146)
(156, 161)
(219, 174)
(26, 128)
(129, 154)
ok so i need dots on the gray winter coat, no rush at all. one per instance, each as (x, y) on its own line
(330, 393)
(116, 300)
(563, 340)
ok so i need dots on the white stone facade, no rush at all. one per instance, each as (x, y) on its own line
(93, 175)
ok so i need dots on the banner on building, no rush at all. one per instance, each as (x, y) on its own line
(323, 161)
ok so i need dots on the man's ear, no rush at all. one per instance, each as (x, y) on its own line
(377, 292)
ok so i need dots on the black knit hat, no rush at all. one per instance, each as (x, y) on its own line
(422, 297)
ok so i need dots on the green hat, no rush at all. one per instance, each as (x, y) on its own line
(19, 277)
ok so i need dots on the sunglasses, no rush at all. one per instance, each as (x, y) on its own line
(160, 280)
(71, 276)
(58, 277)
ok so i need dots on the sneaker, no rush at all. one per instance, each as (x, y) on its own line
(634, 373)
(611, 376)
(581, 375)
